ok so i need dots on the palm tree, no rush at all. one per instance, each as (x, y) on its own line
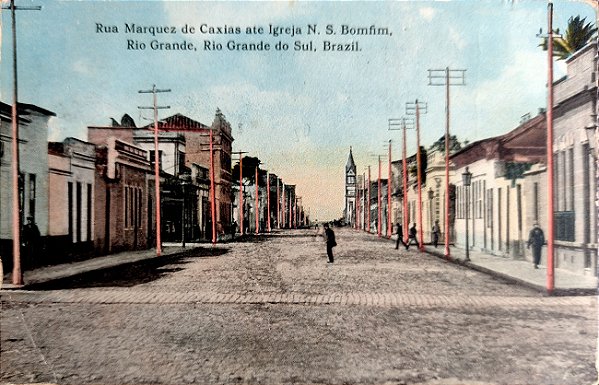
(578, 34)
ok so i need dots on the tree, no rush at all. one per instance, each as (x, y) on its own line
(578, 34)
(454, 144)
(249, 171)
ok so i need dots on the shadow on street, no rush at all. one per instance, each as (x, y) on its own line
(132, 274)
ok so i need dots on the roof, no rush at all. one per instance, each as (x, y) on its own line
(525, 143)
(178, 121)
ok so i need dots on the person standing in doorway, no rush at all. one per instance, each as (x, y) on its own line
(31, 239)
(329, 236)
(536, 239)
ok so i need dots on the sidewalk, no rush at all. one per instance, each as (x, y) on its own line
(520, 271)
(66, 270)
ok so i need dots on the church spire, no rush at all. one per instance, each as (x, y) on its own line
(350, 166)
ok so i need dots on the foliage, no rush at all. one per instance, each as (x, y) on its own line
(249, 171)
(439, 145)
(578, 34)
(514, 170)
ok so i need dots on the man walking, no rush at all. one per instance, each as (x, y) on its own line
(412, 236)
(399, 235)
(536, 239)
(329, 236)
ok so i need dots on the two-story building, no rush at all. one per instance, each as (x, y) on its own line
(574, 154)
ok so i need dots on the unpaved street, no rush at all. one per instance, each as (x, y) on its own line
(270, 310)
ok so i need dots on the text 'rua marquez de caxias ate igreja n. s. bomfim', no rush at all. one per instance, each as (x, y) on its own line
(161, 35)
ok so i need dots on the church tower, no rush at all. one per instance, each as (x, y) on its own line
(350, 190)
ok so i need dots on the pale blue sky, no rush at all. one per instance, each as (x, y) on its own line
(299, 112)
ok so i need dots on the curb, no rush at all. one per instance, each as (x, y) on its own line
(515, 280)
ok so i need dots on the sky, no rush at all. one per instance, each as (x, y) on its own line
(298, 111)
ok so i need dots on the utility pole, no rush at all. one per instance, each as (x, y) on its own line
(389, 204)
(256, 209)
(550, 204)
(368, 228)
(446, 77)
(17, 273)
(394, 125)
(417, 108)
(278, 206)
(283, 205)
(267, 202)
(155, 107)
(378, 222)
(240, 207)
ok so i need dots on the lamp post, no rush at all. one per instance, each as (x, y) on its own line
(466, 180)
(431, 195)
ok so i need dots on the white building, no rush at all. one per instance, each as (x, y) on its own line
(71, 167)
(574, 152)
(495, 202)
(33, 168)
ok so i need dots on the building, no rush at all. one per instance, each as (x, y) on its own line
(574, 152)
(495, 201)
(33, 178)
(71, 181)
(123, 198)
(197, 145)
(349, 213)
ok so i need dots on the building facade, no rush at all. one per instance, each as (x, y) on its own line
(575, 175)
(33, 176)
(494, 204)
(71, 220)
(198, 145)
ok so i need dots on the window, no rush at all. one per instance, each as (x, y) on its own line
(152, 158)
(79, 213)
(351, 179)
(89, 213)
(70, 203)
(32, 186)
(126, 206)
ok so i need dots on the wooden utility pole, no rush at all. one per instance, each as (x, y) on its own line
(447, 77)
(418, 108)
(155, 108)
(17, 273)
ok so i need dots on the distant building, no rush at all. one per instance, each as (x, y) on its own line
(349, 213)
(33, 179)
(197, 145)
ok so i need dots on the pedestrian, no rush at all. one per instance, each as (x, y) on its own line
(233, 229)
(399, 233)
(436, 231)
(329, 236)
(536, 239)
(31, 239)
(412, 236)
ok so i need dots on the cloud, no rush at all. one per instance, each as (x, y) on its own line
(82, 67)
(427, 13)
(456, 38)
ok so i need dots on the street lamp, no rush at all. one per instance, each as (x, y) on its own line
(431, 195)
(466, 180)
